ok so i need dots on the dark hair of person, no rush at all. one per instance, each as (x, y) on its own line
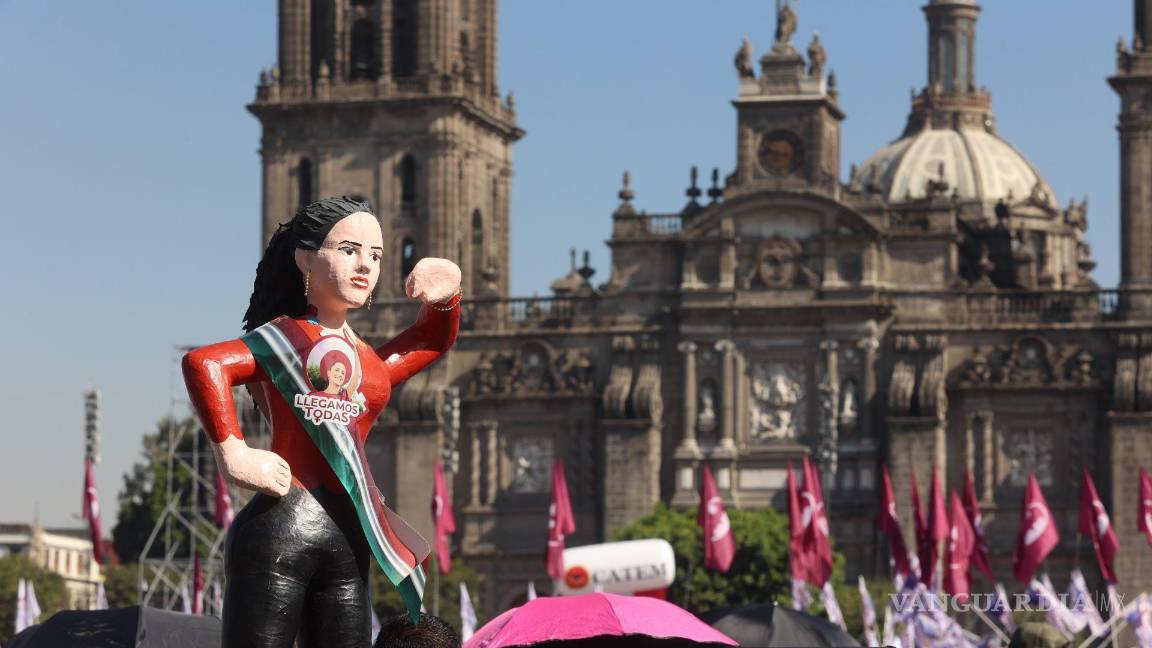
(279, 286)
(431, 632)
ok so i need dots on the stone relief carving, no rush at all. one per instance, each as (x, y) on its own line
(532, 462)
(1033, 361)
(778, 264)
(776, 405)
(535, 368)
(1029, 450)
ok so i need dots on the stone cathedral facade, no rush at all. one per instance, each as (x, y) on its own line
(935, 308)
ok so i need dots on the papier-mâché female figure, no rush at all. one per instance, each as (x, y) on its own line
(297, 556)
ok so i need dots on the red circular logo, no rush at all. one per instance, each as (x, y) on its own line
(576, 577)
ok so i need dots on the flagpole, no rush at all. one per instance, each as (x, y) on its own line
(988, 622)
(436, 590)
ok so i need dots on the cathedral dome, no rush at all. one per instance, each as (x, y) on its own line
(975, 164)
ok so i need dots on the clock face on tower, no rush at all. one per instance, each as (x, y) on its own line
(781, 152)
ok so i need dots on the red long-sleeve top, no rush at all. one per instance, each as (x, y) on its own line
(212, 371)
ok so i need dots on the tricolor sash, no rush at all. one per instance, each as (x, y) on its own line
(286, 351)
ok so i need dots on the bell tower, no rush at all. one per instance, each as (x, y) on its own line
(1133, 82)
(788, 117)
(395, 101)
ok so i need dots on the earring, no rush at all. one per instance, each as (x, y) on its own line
(369, 304)
(307, 276)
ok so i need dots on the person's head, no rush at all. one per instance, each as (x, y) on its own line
(330, 250)
(431, 632)
(335, 366)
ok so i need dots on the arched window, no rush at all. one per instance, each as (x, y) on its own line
(407, 259)
(405, 43)
(465, 53)
(478, 260)
(304, 182)
(363, 55)
(321, 48)
(407, 181)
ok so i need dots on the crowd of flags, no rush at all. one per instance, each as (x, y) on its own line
(949, 536)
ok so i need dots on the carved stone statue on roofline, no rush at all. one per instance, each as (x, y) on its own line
(785, 26)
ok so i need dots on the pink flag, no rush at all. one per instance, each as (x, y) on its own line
(890, 525)
(920, 526)
(92, 512)
(798, 559)
(937, 528)
(719, 546)
(980, 556)
(560, 522)
(444, 520)
(816, 545)
(1094, 523)
(224, 513)
(197, 586)
(1037, 536)
(1144, 523)
(958, 555)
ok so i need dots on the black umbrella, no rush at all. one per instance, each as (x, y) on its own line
(129, 627)
(769, 625)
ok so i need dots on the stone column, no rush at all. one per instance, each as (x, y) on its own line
(492, 483)
(728, 255)
(829, 395)
(867, 414)
(688, 444)
(476, 468)
(728, 410)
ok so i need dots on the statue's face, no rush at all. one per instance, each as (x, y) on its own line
(344, 271)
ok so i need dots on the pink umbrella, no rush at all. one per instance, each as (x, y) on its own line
(572, 618)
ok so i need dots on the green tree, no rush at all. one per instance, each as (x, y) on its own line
(51, 593)
(759, 571)
(121, 584)
(387, 602)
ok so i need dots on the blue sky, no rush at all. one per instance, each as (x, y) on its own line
(130, 169)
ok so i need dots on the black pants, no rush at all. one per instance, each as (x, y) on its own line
(297, 565)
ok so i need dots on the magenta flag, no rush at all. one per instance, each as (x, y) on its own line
(958, 554)
(798, 558)
(197, 586)
(91, 508)
(223, 513)
(1144, 522)
(719, 545)
(890, 525)
(1037, 536)
(444, 520)
(560, 522)
(1095, 523)
(980, 556)
(937, 527)
(920, 527)
(816, 545)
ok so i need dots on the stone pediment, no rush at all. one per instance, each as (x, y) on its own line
(795, 214)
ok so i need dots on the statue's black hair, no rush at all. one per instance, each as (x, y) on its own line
(279, 286)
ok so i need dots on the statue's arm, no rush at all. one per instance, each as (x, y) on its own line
(210, 372)
(419, 345)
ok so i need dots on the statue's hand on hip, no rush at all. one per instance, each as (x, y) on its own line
(433, 280)
(252, 468)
